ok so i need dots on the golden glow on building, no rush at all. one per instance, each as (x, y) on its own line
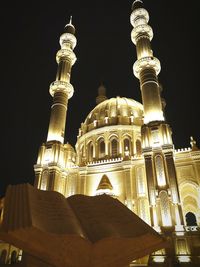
(125, 149)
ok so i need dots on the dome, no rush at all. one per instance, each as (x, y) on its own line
(69, 147)
(114, 111)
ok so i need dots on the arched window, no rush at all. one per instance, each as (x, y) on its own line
(90, 151)
(114, 148)
(101, 148)
(127, 147)
(138, 148)
(190, 219)
(3, 257)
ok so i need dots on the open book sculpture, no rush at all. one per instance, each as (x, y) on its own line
(78, 231)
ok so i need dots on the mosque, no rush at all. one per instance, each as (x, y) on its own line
(125, 149)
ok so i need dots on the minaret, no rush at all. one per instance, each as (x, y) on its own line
(61, 90)
(101, 94)
(157, 142)
(52, 163)
(147, 67)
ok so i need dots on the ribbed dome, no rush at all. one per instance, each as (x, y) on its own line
(114, 111)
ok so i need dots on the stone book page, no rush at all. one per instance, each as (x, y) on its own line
(52, 213)
(118, 235)
(47, 211)
(103, 216)
(79, 231)
(42, 224)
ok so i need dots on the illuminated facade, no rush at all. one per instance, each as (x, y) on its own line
(125, 149)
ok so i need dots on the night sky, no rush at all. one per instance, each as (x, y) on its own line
(30, 39)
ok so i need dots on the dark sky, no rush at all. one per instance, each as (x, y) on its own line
(30, 39)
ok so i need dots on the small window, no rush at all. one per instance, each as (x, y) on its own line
(90, 151)
(114, 148)
(101, 148)
(127, 146)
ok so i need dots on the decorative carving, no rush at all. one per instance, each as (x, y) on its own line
(160, 171)
(165, 209)
(61, 86)
(146, 62)
(68, 38)
(66, 53)
(145, 28)
(139, 13)
(140, 181)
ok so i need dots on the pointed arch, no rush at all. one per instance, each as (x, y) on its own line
(190, 199)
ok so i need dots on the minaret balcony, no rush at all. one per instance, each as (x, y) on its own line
(61, 86)
(68, 38)
(138, 15)
(144, 29)
(146, 62)
(66, 54)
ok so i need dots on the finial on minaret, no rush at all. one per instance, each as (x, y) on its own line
(193, 144)
(101, 94)
(137, 4)
(147, 67)
(69, 28)
(136, 1)
(61, 89)
(70, 21)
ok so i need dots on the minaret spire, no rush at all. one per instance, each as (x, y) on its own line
(54, 155)
(157, 145)
(147, 67)
(62, 90)
(70, 21)
(101, 94)
(136, 4)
